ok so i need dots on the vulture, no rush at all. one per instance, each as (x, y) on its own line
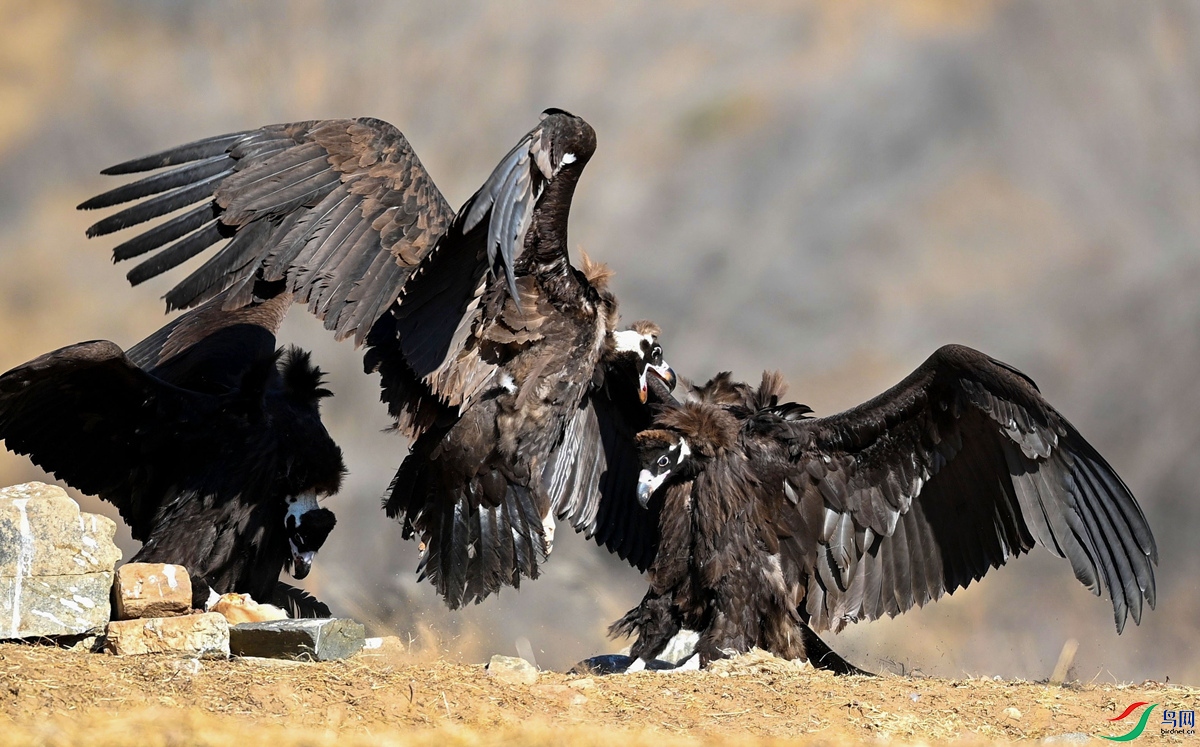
(776, 525)
(206, 438)
(501, 361)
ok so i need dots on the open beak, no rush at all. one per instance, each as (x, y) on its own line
(664, 372)
(301, 561)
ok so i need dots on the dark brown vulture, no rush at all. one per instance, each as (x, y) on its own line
(497, 357)
(206, 438)
(775, 524)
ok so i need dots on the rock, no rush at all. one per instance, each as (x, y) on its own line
(512, 670)
(56, 564)
(151, 590)
(241, 608)
(1012, 713)
(317, 640)
(202, 634)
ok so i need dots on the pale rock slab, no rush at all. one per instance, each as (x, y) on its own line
(204, 634)
(512, 670)
(151, 590)
(56, 564)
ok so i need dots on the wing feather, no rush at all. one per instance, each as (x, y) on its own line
(958, 468)
(294, 175)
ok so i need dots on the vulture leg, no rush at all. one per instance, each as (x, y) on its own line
(656, 622)
(821, 656)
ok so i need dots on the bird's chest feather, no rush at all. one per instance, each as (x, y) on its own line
(726, 532)
(544, 383)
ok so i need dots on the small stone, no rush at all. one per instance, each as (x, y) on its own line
(56, 564)
(512, 670)
(151, 590)
(311, 639)
(203, 634)
(586, 683)
(1012, 713)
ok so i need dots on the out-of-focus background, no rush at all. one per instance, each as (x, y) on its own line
(831, 188)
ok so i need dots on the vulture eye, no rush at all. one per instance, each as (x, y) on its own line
(656, 354)
(663, 461)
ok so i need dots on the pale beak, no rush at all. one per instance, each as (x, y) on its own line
(647, 484)
(301, 561)
(644, 492)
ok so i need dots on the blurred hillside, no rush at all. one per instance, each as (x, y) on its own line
(829, 188)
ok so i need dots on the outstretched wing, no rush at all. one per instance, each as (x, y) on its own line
(592, 475)
(341, 209)
(90, 416)
(951, 472)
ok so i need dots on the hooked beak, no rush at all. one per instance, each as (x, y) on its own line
(647, 484)
(662, 371)
(644, 492)
(301, 561)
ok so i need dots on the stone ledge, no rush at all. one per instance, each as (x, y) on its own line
(204, 634)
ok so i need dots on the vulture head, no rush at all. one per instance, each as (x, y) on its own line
(638, 349)
(308, 525)
(685, 440)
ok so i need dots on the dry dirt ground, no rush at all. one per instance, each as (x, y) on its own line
(391, 696)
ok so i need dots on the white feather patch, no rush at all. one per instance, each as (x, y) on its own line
(299, 505)
(629, 341)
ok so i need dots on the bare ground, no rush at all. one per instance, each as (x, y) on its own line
(391, 696)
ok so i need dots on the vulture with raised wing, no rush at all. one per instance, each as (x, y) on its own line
(206, 438)
(775, 524)
(498, 358)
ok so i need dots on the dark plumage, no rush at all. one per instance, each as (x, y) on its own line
(775, 524)
(207, 440)
(496, 355)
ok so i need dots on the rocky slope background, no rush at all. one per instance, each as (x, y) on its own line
(829, 188)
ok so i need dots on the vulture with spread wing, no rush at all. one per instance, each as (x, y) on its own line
(206, 438)
(775, 524)
(501, 360)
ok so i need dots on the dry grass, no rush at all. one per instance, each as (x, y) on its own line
(51, 696)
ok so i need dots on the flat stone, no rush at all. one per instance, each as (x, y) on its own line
(512, 670)
(311, 639)
(56, 564)
(151, 590)
(202, 634)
